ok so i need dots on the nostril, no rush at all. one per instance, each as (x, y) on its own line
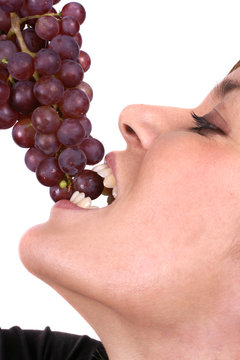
(129, 130)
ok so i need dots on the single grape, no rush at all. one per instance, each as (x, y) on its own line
(85, 87)
(84, 60)
(78, 39)
(20, 66)
(34, 43)
(38, 7)
(11, 5)
(47, 27)
(69, 26)
(71, 161)
(48, 90)
(22, 98)
(90, 183)
(23, 133)
(4, 92)
(7, 49)
(57, 193)
(48, 172)
(71, 73)
(74, 9)
(5, 21)
(45, 120)
(93, 149)
(70, 132)
(74, 103)
(47, 62)
(56, 1)
(47, 143)
(86, 124)
(4, 75)
(33, 157)
(8, 116)
(65, 46)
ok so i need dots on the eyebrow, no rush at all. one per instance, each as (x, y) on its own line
(225, 87)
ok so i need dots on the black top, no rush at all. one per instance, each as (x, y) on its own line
(18, 344)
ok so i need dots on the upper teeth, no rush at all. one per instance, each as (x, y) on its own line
(109, 182)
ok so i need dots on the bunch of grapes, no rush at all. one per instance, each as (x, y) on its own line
(43, 95)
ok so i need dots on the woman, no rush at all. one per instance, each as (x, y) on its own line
(156, 273)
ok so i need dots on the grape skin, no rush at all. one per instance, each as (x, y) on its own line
(70, 132)
(33, 42)
(48, 90)
(90, 183)
(65, 46)
(71, 73)
(20, 66)
(57, 193)
(7, 49)
(23, 133)
(75, 103)
(33, 157)
(8, 116)
(5, 21)
(45, 120)
(11, 5)
(69, 26)
(47, 62)
(48, 172)
(38, 7)
(22, 98)
(71, 161)
(47, 27)
(84, 60)
(93, 149)
(4, 92)
(74, 9)
(47, 143)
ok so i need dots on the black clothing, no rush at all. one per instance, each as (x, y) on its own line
(18, 344)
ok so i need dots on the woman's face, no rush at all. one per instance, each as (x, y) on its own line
(166, 248)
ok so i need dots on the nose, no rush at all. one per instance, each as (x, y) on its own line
(140, 125)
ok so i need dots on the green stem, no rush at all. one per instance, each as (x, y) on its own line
(22, 20)
(16, 28)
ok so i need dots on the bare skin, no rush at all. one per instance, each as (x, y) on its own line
(157, 274)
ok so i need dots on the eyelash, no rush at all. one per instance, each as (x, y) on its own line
(203, 125)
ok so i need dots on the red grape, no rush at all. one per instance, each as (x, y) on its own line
(57, 193)
(47, 27)
(7, 49)
(90, 183)
(47, 143)
(33, 42)
(85, 87)
(45, 120)
(38, 7)
(71, 161)
(93, 149)
(75, 103)
(4, 92)
(48, 172)
(5, 21)
(20, 66)
(78, 39)
(65, 46)
(33, 157)
(8, 116)
(86, 124)
(69, 25)
(23, 133)
(48, 90)
(47, 62)
(11, 5)
(70, 132)
(84, 60)
(74, 9)
(22, 98)
(71, 73)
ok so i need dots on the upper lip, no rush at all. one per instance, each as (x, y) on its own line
(110, 160)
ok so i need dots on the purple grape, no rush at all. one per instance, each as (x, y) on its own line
(8, 116)
(23, 133)
(78, 39)
(47, 143)
(4, 75)
(86, 124)
(65, 46)
(84, 60)
(90, 183)
(93, 149)
(57, 193)
(48, 90)
(48, 172)
(69, 26)
(33, 157)
(47, 27)
(7, 49)
(5, 21)
(20, 66)
(45, 120)
(70, 132)
(71, 73)
(38, 7)
(11, 5)
(71, 161)
(34, 43)
(74, 9)
(75, 103)
(4, 92)
(56, 1)
(22, 98)
(47, 62)
(85, 87)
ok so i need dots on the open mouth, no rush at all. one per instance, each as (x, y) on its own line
(109, 190)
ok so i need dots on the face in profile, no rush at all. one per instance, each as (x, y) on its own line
(167, 247)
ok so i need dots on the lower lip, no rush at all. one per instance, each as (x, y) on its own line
(66, 204)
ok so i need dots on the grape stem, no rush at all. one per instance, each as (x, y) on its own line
(22, 20)
(15, 20)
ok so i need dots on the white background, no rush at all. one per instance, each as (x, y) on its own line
(154, 52)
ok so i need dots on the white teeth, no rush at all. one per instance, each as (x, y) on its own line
(77, 197)
(85, 203)
(99, 167)
(105, 172)
(109, 181)
(115, 192)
